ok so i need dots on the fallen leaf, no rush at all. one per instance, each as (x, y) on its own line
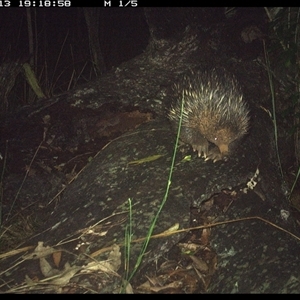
(111, 265)
(199, 263)
(144, 160)
(57, 258)
(47, 269)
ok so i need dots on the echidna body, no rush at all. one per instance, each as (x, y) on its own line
(213, 111)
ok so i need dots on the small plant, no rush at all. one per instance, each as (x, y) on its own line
(284, 48)
(128, 233)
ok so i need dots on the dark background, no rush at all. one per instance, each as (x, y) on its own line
(62, 45)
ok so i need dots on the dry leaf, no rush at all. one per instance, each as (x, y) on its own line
(205, 236)
(30, 171)
(65, 276)
(46, 268)
(114, 258)
(40, 251)
(57, 258)
(144, 160)
(172, 228)
(172, 285)
(111, 265)
(128, 289)
(199, 263)
(188, 248)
